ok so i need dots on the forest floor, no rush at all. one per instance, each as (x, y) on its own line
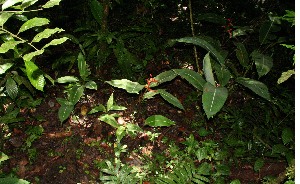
(68, 153)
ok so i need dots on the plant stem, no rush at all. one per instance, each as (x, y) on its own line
(193, 34)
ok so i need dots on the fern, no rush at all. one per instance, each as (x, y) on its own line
(186, 172)
(118, 174)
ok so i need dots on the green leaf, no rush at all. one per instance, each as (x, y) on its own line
(205, 168)
(236, 181)
(150, 94)
(263, 63)
(64, 112)
(91, 85)
(165, 76)
(5, 67)
(11, 88)
(213, 99)
(133, 128)
(3, 157)
(213, 18)
(223, 74)
(192, 77)
(284, 76)
(110, 102)
(27, 3)
(46, 34)
(75, 94)
(257, 87)
(204, 44)
(34, 22)
(97, 10)
(158, 121)
(207, 69)
(259, 163)
(35, 75)
(10, 180)
(67, 79)
(99, 108)
(29, 56)
(4, 17)
(51, 3)
(120, 133)
(129, 86)
(56, 42)
(9, 45)
(279, 149)
(170, 98)
(266, 32)
(201, 154)
(82, 66)
(287, 136)
(109, 119)
(242, 54)
(117, 108)
(9, 3)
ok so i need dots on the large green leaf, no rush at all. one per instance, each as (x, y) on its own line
(192, 77)
(9, 45)
(223, 74)
(204, 44)
(46, 34)
(34, 22)
(129, 86)
(29, 56)
(257, 87)
(11, 88)
(9, 3)
(56, 42)
(51, 3)
(75, 94)
(263, 63)
(35, 75)
(158, 121)
(4, 17)
(165, 76)
(242, 54)
(97, 10)
(5, 67)
(213, 99)
(66, 107)
(266, 32)
(207, 69)
(170, 98)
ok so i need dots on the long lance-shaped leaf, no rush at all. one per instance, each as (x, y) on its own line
(263, 63)
(170, 98)
(35, 75)
(204, 44)
(284, 76)
(97, 10)
(5, 67)
(158, 121)
(10, 3)
(46, 34)
(56, 42)
(257, 87)
(192, 77)
(34, 22)
(75, 93)
(213, 99)
(29, 56)
(242, 54)
(109, 119)
(129, 86)
(209, 76)
(165, 76)
(8, 45)
(11, 88)
(223, 74)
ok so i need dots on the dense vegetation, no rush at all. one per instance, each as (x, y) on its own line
(147, 91)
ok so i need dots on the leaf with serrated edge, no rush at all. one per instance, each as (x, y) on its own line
(170, 98)
(158, 120)
(34, 22)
